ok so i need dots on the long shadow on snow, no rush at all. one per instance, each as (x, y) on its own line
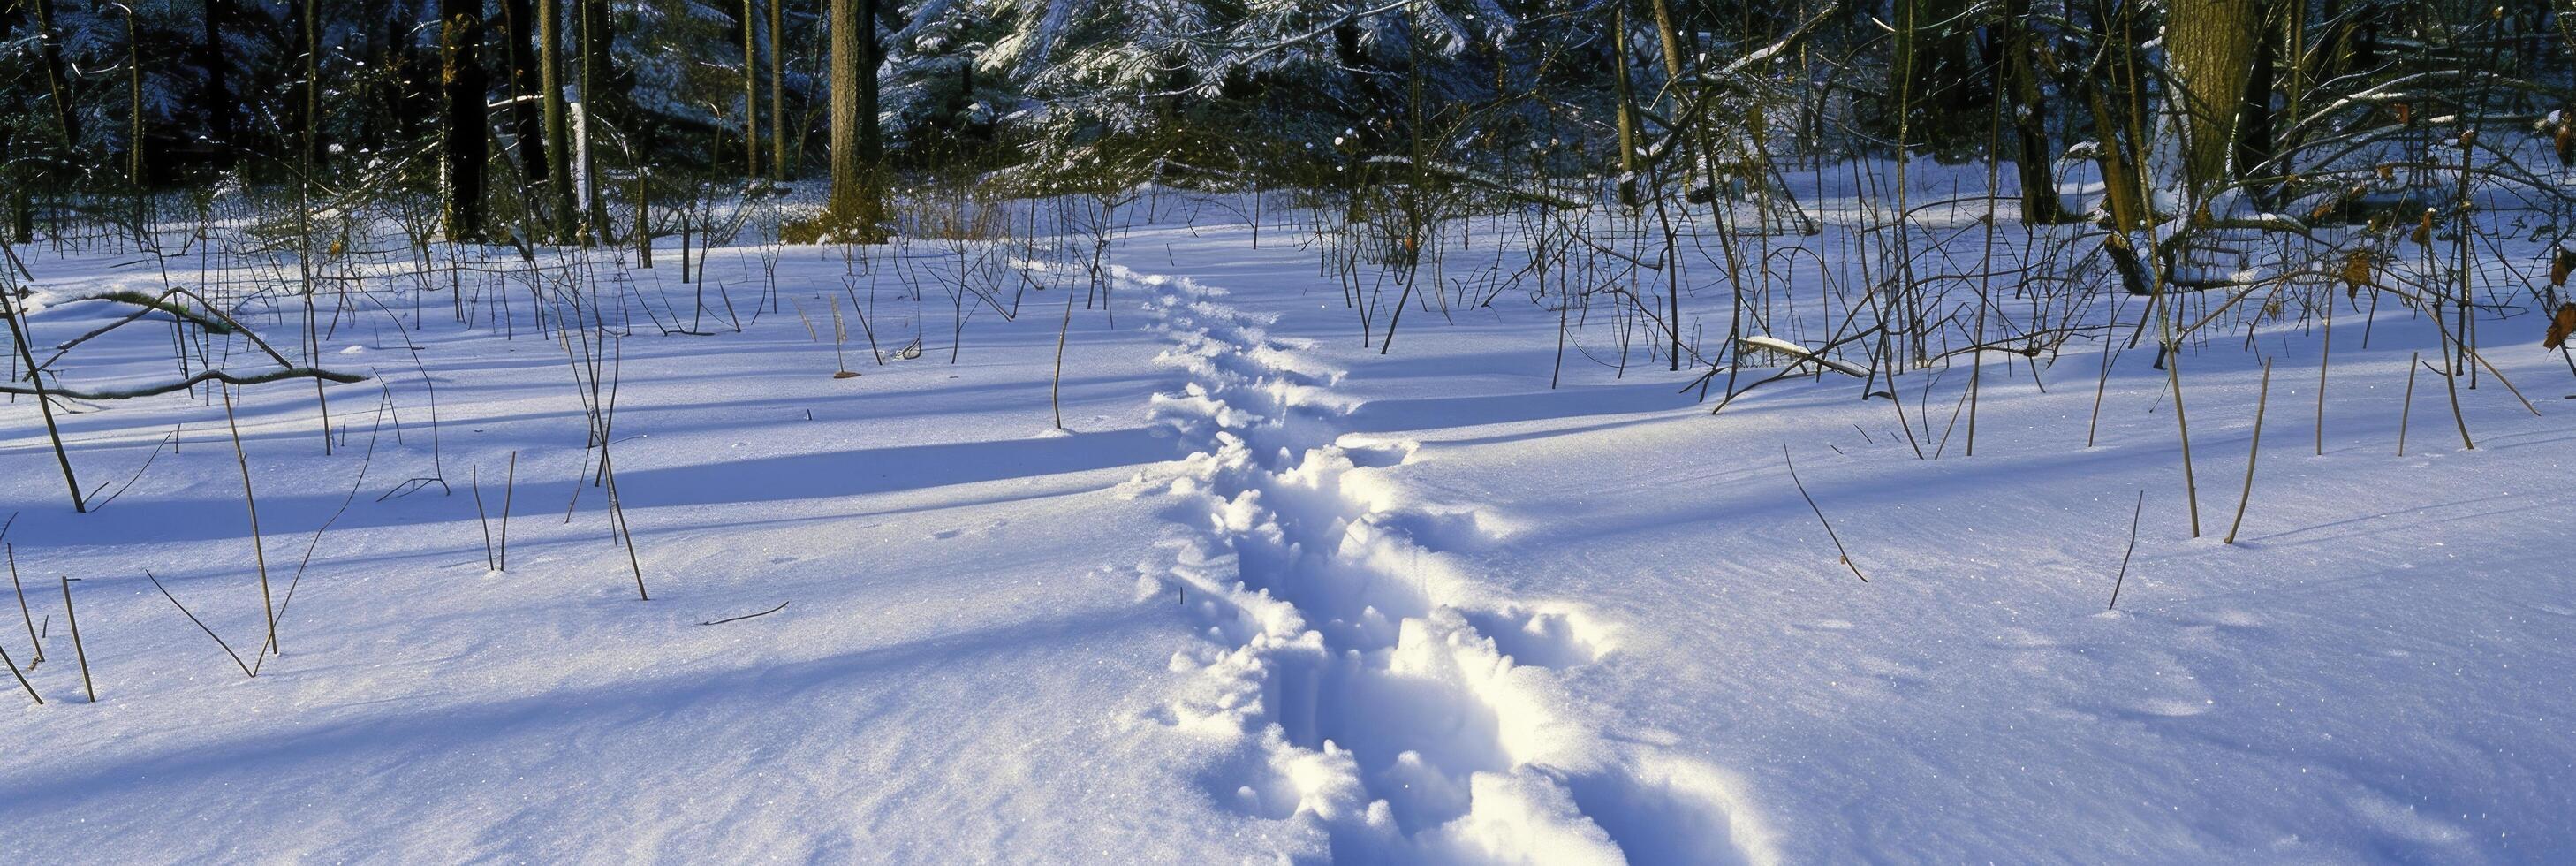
(398, 736)
(766, 479)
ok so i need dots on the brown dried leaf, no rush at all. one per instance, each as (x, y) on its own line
(2356, 268)
(2560, 327)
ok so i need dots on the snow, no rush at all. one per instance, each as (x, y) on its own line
(1278, 596)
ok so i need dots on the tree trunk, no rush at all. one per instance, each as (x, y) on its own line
(1627, 108)
(2254, 116)
(134, 110)
(598, 86)
(751, 90)
(777, 95)
(519, 19)
(558, 126)
(312, 28)
(1940, 108)
(2210, 45)
(856, 202)
(462, 135)
(56, 82)
(2028, 102)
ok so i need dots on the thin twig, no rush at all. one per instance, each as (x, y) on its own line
(22, 678)
(2262, 400)
(201, 624)
(781, 606)
(2134, 514)
(1820, 513)
(78, 651)
(23, 615)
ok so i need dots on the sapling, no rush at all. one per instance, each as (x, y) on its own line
(259, 553)
(1820, 513)
(2407, 413)
(474, 482)
(2252, 451)
(2134, 513)
(22, 678)
(509, 486)
(78, 652)
(2190, 486)
(201, 624)
(11, 311)
(23, 615)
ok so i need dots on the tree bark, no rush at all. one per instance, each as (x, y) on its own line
(2210, 45)
(462, 137)
(856, 202)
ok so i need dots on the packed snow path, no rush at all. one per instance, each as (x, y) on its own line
(1382, 692)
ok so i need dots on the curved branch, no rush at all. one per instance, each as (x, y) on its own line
(191, 382)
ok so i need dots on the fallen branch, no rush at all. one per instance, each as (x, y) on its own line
(1801, 353)
(191, 382)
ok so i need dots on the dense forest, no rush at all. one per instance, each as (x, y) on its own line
(531, 116)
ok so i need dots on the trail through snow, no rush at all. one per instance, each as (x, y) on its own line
(1380, 690)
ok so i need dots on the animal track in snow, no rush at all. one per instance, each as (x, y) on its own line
(1377, 689)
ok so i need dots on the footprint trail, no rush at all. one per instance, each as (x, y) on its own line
(1378, 690)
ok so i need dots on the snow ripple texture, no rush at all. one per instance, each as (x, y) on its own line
(1371, 687)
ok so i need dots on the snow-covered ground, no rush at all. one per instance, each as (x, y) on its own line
(1280, 596)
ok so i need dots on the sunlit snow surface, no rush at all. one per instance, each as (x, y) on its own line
(1278, 595)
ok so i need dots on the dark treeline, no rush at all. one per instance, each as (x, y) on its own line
(513, 106)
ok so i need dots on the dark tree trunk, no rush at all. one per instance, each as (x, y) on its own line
(2254, 118)
(550, 88)
(2027, 100)
(519, 29)
(604, 105)
(463, 134)
(856, 205)
(1939, 95)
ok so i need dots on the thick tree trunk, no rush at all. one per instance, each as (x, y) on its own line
(463, 135)
(520, 26)
(857, 201)
(2210, 45)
